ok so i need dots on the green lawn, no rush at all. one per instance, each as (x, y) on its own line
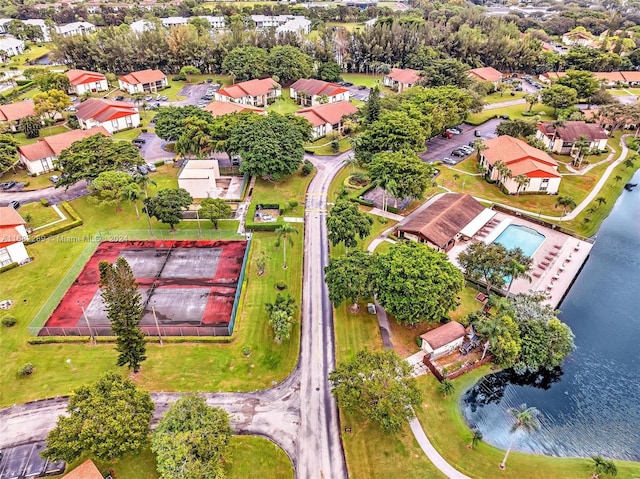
(128, 135)
(172, 367)
(514, 111)
(45, 131)
(497, 98)
(173, 90)
(251, 456)
(362, 79)
(322, 147)
(165, 177)
(292, 188)
(349, 26)
(284, 104)
(33, 52)
(40, 215)
(22, 176)
(339, 181)
(442, 420)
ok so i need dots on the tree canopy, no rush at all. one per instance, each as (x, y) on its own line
(270, 146)
(409, 175)
(170, 121)
(111, 187)
(416, 283)
(107, 420)
(349, 277)
(8, 152)
(214, 209)
(559, 96)
(516, 128)
(168, 204)
(246, 63)
(50, 103)
(378, 385)
(345, 224)
(287, 64)
(87, 158)
(192, 440)
(583, 82)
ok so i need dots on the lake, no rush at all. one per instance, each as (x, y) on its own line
(592, 405)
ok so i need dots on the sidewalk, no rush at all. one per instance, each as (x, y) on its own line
(386, 214)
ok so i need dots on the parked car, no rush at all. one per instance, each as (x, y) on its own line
(447, 134)
(209, 80)
(143, 170)
(459, 153)
(467, 149)
(151, 167)
(235, 160)
(477, 134)
(215, 86)
(453, 131)
(54, 179)
(449, 161)
(362, 87)
(8, 185)
(119, 98)
(456, 128)
(139, 141)
(15, 204)
(347, 84)
(164, 98)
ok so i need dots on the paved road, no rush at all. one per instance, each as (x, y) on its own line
(439, 147)
(153, 148)
(54, 195)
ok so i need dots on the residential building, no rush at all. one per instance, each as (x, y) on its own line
(10, 47)
(140, 26)
(174, 21)
(13, 234)
(562, 138)
(4, 24)
(578, 39)
(265, 22)
(488, 74)
(112, 115)
(216, 22)
(298, 25)
(252, 92)
(607, 79)
(400, 79)
(75, 28)
(39, 157)
(443, 340)
(199, 177)
(327, 118)
(631, 78)
(445, 220)
(521, 160)
(12, 113)
(143, 82)
(83, 81)
(86, 470)
(220, 108)
(37, 22)
(312, 92)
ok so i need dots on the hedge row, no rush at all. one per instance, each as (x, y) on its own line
(355, 197)
(61, 228)
(111, 339)
(251, 214)
(21, 89)
(8, 267)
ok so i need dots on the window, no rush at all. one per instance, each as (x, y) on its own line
(5, 259)
(128, 121)
(544, 184)
(114, 124)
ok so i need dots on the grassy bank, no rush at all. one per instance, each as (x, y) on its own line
(513, 111)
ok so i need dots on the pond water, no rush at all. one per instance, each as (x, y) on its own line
(592, 405)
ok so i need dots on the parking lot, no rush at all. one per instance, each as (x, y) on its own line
(439, 147)
(193, 93)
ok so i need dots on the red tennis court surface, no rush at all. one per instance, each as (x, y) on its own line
(191, 285)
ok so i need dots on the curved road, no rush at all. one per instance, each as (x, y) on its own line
(300, 413)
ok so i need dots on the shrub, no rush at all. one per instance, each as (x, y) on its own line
(8, 267)
(26, 370)
(44, 202)
(307, 168)
(281, 285)
(293, 203)
(9, 321)
(26, 183)
(246, 350)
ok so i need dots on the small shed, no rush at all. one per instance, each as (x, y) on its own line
(443, 340)
(86, 470)
(199, 177)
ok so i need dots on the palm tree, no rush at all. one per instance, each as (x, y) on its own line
(602, 466)
(134, 193)
(601, 200)
(526, 420)
(581, 148)
(517, 270)
(284, 234)
(489, 329)
(446, 387)
(629, 162)
(616, 179)
(567, 203)
(351, 161)
(476, 437)
(388, 186)
(522, 181)
(143, 181)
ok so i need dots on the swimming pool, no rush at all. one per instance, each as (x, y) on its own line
(523, 237)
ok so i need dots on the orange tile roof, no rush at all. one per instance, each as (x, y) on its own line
(573, 130)
(249, 88)
(81, 77)
(486, 74)
(104, 110)
(86, 470)
(631, 76)
(16, 111)
(609, 76)
(314, 87)
(143, 77)
(219, 108)
(10, 217)
(444, 334)
(405, 75)
(520, 157)
(53, 145)
(330, 113)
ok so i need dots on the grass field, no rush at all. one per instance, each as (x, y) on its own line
(40, 215)
(251, 456)
(322, 147)
(497, 98)
(293, 188)
(349, 26)
(442, 420)
(172, 367)
(514, 111)
(284, 104)
(362, 79)
(34, 52)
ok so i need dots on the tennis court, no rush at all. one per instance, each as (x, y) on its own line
(188, 287)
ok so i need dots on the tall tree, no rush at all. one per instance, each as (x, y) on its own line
(51, 103)
(416, 283)
(30, 126)
(270, 146)
(567, 203)
(107, 420)
(196, 139)
(281, 316)
(170, 121)
(188, 71)
(134, 193)
(123, 303)
(168, 204)
(583, 82)
(87, 158)
(378, 385)
(284, 234)
(409, 175)
(287, 64)
(329, 71)
(349, 278)
(558, 97)
(516, 128)
(532, 100)
(603, 467)
(214, 209)
(8, 152)
(111, 187)
(192, 440)
(372, 108)
(527, 420)
(345, 224)
(246, 63)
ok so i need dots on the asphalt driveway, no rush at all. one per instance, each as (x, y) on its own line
(153, 148)
(439, 147)
(193, 93)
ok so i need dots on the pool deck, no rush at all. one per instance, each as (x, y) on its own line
(554, 266)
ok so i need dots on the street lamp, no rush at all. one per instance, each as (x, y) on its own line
(155, 318)
(198, 220)
(84, 315)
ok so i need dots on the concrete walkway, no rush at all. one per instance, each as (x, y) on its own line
(386, 214)
(502, 104)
